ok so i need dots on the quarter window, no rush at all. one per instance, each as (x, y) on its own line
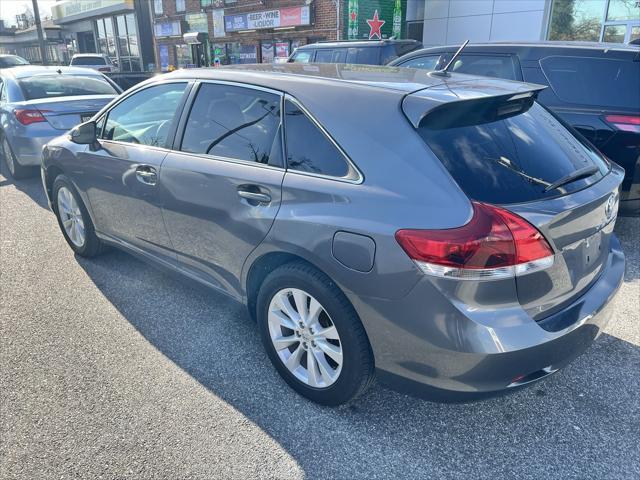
(498, 66)
(308, 148)
(429, 62)
(145, 117)
(235, 122)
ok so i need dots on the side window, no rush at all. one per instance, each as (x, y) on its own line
(339, 55)
(3, 95)
(302, 57)
(235, 122)
(323, 55)
(308, 148)
(499, 66)
(429, 62)
(145, 117)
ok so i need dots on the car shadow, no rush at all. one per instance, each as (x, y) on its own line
(586, 410)
(32, 186)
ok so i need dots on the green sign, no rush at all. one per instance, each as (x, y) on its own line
(374, 19)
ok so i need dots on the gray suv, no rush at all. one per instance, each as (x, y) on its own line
(373, 220)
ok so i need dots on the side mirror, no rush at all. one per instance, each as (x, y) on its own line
(84, 134)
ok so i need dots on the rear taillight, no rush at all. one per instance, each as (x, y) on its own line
(29, 116)
(104, 69)
(494, 244)
(626, 123)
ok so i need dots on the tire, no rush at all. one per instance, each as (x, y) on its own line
(16, 170)
(327, 382)
(68, 207)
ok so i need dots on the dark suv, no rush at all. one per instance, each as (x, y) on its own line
(594, 87)
(363, 52)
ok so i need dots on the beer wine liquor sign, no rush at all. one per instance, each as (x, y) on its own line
(284, 17)
(375, 19)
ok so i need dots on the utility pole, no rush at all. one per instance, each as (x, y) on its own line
(43, 49)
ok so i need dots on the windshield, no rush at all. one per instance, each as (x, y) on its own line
(51, 86)
(515, 159)
(12, 61)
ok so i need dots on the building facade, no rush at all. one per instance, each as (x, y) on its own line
(239, 31)
(25, 43)
(121, 29)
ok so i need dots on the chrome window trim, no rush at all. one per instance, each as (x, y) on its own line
(238, 161)
(353, 169)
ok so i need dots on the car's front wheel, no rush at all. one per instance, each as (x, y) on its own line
(74, 220)
(313, 336)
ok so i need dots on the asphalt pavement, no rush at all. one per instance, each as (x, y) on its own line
(110, 368)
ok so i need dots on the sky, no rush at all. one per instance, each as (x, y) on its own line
(10, 8)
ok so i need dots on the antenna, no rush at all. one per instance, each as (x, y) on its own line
(444, 72)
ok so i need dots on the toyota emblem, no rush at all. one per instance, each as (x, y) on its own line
(609, 206)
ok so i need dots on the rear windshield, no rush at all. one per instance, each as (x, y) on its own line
(513, 159)
(12, 61)
(88, 61)
(594, 81)
(50, 86)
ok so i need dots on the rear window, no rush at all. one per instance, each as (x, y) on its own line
(513, 159)
(594, 81)
(88, 61)
(45, 86)
(497, 66)
(12, 61)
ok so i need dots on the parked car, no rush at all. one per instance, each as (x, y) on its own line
(8, 61)
(415, 233)
(96, 61)
(594, 87)
(40, 103)
(369, 52)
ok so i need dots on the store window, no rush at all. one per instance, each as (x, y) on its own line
(157, 7)
(614, 33)
(576, 20)
(240, 53)
(623, 10)
(183, 56)
(180, 6)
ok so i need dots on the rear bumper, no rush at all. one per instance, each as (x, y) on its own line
(28, 150)
(443, 352)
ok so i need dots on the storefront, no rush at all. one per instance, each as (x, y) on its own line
(120, 29)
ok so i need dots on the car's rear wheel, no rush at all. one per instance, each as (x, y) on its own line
(74, 220)
(16, 170)
(313, 336)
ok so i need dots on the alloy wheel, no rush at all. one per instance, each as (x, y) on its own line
(71, 217)
(305, 338)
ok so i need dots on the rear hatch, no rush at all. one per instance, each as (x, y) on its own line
(504, 149)
(64, 113)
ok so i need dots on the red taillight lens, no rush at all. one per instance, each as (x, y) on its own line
(494, 244)
(29, 116)
(626, 123)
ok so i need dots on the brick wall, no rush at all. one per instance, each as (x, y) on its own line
(323, 19)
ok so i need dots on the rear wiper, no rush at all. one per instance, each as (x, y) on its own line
(573, 176)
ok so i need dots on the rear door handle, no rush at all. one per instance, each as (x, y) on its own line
(147, 175)
(255, 196)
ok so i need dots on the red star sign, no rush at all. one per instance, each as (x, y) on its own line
(375, 25)
(353, 16)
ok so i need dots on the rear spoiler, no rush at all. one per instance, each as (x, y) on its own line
(508, 96)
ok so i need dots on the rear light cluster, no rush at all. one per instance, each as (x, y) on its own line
(626, 123)
(28, 116)
(494, 244)
(104, 69)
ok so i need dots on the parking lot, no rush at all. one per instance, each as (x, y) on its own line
(113, 369)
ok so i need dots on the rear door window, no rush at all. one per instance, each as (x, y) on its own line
(302, 57)
(498, 66)
(324, 55)
(235, 122)
(309, 149)
(364, 55)
(594, 81)
(514, 159)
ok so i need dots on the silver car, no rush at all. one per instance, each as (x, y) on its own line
(40, 103)
(445, 232)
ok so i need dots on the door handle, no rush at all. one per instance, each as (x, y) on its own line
(257, 197)
(147, 175)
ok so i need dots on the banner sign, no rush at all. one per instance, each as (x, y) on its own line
(197, 22)
(218, 22)
(167, 29)
(374, 19)
(284, 17)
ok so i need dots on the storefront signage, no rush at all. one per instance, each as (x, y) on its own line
(218, 22)
(73, 10)
(284, 17)
(197, 22)
(168, 29)
(374, 19)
